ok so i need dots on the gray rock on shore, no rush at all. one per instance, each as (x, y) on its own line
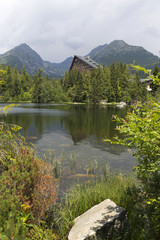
(103, 221)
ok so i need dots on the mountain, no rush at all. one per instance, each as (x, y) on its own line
(115, 51)
(119, 51)
(58, 69)
(24, 55)
(96, 50)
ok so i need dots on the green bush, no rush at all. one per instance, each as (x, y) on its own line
(141, 131)
(27, 96)
(27, 186)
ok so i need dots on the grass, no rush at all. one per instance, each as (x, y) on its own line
(125, 191)
(83, 197)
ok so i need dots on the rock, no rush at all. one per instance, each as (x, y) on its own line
(103, 221)
(121, 104)
(103, 102)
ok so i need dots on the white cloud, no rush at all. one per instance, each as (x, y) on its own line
(57, 29)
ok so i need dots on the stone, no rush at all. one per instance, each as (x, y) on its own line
(103, 221)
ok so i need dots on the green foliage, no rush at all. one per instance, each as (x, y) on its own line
(46, 90)
(18, 86)
(15, 84)
(141, 133)
(26, 96)
(41, 233)
(27, 186)
(12, 226)
(114, 84)
(98, 84)
(2, 75)
(83, 197)
(154, 76)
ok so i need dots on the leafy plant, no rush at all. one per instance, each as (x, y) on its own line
(141, 133)
(27, 185)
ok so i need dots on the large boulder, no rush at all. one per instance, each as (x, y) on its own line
(103, 221)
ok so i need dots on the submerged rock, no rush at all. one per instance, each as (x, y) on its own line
(103, 221)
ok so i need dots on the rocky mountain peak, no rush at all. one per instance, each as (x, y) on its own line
(118, 43)
(117, 46)
(120, 51)
(26, 51)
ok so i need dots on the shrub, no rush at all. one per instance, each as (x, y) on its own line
(27, 185)
(32, 181)
(141, 130)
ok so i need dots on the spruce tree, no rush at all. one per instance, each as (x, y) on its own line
(113, 79)
(38, 87)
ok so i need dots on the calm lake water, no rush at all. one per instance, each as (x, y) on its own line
(73, 135)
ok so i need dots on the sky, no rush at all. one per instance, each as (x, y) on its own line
(57, 29)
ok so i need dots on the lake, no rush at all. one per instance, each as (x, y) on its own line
(72, 137)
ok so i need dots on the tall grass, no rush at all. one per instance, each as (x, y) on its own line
(83, 197)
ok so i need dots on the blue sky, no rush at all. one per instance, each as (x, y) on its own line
(57, 29)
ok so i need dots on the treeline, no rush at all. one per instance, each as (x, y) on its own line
(20, 86)
(112, 83)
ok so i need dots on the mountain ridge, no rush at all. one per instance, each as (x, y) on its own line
(23, 54)
(120, 51)
(117, 51)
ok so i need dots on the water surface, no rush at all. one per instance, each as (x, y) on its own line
(74, 135)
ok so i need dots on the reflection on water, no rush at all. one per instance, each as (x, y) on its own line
(73, 129)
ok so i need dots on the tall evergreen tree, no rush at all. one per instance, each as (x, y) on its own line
(86, 79)
(38, 87)
(113, 79)
(107, 85)
(124, 83)
(97, 85)
(155, 87)
(16, 84)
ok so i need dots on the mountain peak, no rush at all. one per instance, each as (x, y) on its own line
(23, 45)
(119, 50)
(26, 49)
(22, 55)
(118, 43)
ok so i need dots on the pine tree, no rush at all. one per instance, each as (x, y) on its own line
(86, 79)
(124, 83)
(113, 79)
(97, 85)
(16, 83)
(38, 87)
(107, 84)
(155, 87)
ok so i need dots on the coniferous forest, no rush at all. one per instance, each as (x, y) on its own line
(112, 83)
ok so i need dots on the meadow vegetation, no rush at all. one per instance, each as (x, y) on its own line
(84, 196)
